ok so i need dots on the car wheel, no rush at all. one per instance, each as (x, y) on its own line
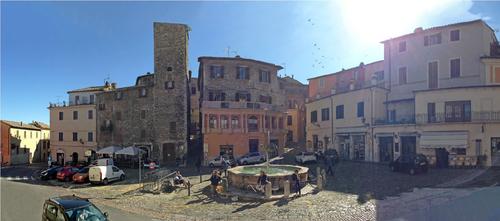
(122, 177)
(66, 179)
(105, 181)
(412, 171)
(393, 169)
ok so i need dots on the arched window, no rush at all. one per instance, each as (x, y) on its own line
(253, 125)
(212, 121)
(224, 123)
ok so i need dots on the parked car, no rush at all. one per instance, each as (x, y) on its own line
(105, 174)
(217, 162)
(66, 174)
(70, 208)
(410, 164)
(252, 158)
(50, 173)
(82, 176)
(305, 157)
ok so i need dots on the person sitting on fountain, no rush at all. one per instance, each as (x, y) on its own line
(262, 181)
(179, 179)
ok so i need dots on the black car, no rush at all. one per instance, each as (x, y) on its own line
(71, 208)
(50, 173)
(410, 164)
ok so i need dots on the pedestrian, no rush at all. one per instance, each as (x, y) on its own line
(214, 181)
(49, 159)
(296, 183)
(262, 181)
(225, 165)
(329, 165)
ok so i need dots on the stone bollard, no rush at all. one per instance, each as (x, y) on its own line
(320, 182)
(286, 188)
(224, 184)
(323, 174)
(269, 190)
(318, 171)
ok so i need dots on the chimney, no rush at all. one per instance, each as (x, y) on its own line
(106, 84)
(237, 56)
(21, 123)
(418, 29)
(113, 85)
(292, 76)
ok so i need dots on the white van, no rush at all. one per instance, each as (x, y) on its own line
(105, 174)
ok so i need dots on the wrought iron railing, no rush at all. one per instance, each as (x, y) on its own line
(476, 116)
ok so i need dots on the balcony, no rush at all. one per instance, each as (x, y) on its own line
(71, 103)
(406, 119)
(241, 105)
(474, 117)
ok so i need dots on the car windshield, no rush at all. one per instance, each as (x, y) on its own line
(84, 170)
(88, 213)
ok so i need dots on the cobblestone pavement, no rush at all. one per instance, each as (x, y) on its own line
(356, 192)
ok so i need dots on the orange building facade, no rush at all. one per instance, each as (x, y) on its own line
(242, 107)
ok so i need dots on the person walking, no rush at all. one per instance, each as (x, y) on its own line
(329, 165)
(262, 181)
(225, 166)
(296, 183)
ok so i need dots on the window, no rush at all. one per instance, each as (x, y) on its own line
(265, 99)
(173, 127)
(253, 125)
(102, 106)
(90, 137)
(455, 68)
(216, 96)
(321, 83)
(457, 111)
(118, 95)
(266, 121)
(169, 69)
(193, 90)
(61, 115)
(212, 121)
(402, 46)
(75, 115)
(24, 134)
(143, 134)
(216, 71)
(314, 116)
(118, 115)
(455, 35)
(31, 134)
(273, 122)
(90, 114)
(170, 85)
(61, 136)
(242, 96)
(280, 123)
(379, 75)
(402, 75)
(433, 74)
(75, 136)
(91, 98)
(431, 112)
(361, 109)
(392, 115)
(36, 134)
(325, 114)
(339, 112)
(224, 123)
(77, 99)
(143, 92)
(242, 73)
(143, 114)
(289, 120)
(432, 39)
(264, 76)
(235, 122)
(356, 75)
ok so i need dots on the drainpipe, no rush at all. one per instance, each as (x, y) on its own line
(331, 119)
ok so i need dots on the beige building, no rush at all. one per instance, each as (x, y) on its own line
(441, 100)
(24, 143)
(73, 125)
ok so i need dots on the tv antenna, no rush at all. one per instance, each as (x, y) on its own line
(228, 51)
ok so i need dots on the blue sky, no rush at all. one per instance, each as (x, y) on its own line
(48, 48)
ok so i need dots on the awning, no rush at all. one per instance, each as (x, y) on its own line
(444, 139)
(109, 150)
(130, 151)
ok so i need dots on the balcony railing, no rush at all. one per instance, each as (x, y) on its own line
(64, 103)
(241, 105)
(475, 117)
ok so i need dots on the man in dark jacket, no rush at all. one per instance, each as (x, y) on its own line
(214, 181)
(296, 183)
(262, 181)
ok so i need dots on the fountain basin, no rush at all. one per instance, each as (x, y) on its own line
(242, 176)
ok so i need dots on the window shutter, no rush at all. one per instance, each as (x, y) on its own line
(426, 40)
(260, 76)
(269, 77)
(222, 72)
(212, 72)
(247, 73)
(237, 72)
